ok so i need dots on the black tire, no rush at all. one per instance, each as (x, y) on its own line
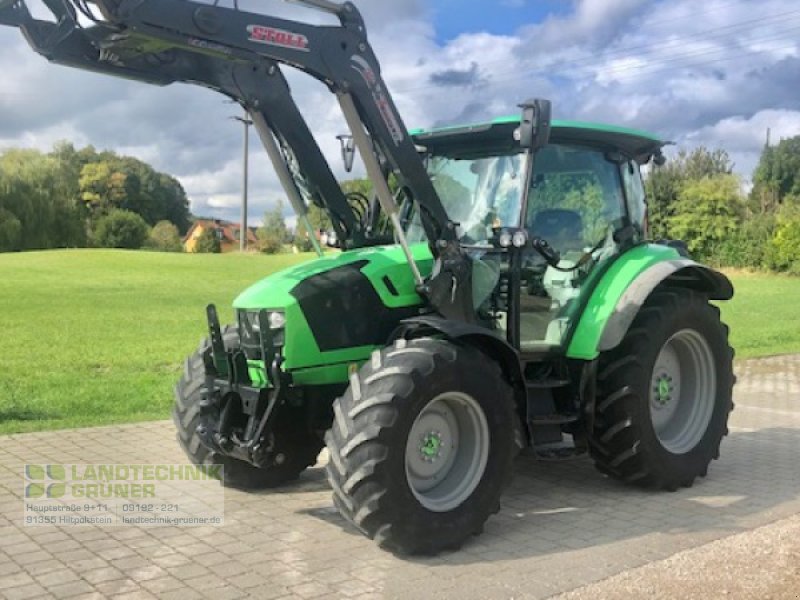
(624, 443)
(367, 444)
(299, 448)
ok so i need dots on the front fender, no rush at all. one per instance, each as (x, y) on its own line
(625, 287)
(475, 335)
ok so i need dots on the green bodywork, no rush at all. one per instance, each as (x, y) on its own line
(309, 365)
(592, 129)
(302, 356)
(606, 295)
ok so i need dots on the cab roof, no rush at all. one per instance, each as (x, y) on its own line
(637, 144)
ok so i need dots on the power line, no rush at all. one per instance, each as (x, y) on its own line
(623, 52)
(702, 35)
(699, 53)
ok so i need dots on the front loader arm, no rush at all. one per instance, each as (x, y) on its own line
(236, 53)
(270, 95)
(339, 56)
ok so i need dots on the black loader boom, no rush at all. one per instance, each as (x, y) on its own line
(240, 54)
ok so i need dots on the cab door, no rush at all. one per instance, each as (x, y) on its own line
(576, 203)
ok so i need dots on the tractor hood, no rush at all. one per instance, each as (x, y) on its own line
(340, 307)
(275, 291)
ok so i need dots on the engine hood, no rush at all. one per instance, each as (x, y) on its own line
(340, 307)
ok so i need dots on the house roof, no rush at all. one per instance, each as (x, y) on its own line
(229, 230)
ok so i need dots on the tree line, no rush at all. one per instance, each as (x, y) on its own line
(70, 198)
(695, 197)
(86, 198)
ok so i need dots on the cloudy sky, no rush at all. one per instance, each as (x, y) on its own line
(717, 73)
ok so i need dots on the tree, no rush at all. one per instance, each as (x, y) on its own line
(10, 231)
(707, 212)
(29, 184)
(121, 229)
(99, 192)
(273, 234)
(110, 181)
(777, 175)
(747, 247)
(318, 218)
(165, 237)
(57, 198)
(208, 243)
(783, 251)
(663, 184)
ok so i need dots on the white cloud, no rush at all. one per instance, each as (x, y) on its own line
(716, 73)
(744, 138)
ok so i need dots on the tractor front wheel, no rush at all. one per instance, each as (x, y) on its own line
(296, 448)
(665, 393)
(422, 444)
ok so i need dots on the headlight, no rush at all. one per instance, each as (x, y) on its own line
(520, 238)
(276, 320)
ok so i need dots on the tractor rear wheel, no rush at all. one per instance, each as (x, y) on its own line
(422, 445)
(665, 393)
(295, 447)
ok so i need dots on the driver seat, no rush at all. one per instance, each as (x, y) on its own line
(563, 229)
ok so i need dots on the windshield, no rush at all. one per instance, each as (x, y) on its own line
(477, 193)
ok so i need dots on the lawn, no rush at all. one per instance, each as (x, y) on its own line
(764, 315)
(94, 337)
(97, 337)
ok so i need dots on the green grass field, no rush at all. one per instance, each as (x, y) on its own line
(97, 337)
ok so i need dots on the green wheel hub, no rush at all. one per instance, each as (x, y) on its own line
(431, 447)
(663, 389)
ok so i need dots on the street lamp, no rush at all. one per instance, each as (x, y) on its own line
(247, 122)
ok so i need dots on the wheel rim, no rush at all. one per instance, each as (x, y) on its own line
(447, 451)
(683, 391)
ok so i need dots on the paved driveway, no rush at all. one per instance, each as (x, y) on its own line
(562, 525)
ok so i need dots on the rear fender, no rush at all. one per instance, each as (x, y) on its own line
(615, 304)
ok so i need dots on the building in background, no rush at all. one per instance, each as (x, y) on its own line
(227, 233)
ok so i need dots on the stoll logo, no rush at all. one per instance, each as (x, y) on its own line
(277, 37)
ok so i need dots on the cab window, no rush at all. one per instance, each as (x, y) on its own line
(576, 198)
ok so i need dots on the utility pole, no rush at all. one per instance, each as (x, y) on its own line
(247, 122)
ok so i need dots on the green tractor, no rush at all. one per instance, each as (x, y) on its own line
(501, 296)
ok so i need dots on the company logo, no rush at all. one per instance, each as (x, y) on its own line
(45, 481)
(379, 97)
(123, 494)
(206, 45)
(277, 37)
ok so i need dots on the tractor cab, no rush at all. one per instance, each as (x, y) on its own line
(538, 240)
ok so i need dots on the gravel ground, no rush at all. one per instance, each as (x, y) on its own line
(760, 564)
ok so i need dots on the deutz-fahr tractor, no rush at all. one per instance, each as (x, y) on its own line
(496, 294)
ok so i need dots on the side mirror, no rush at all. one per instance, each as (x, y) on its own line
(534, 128)
(348, 151)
